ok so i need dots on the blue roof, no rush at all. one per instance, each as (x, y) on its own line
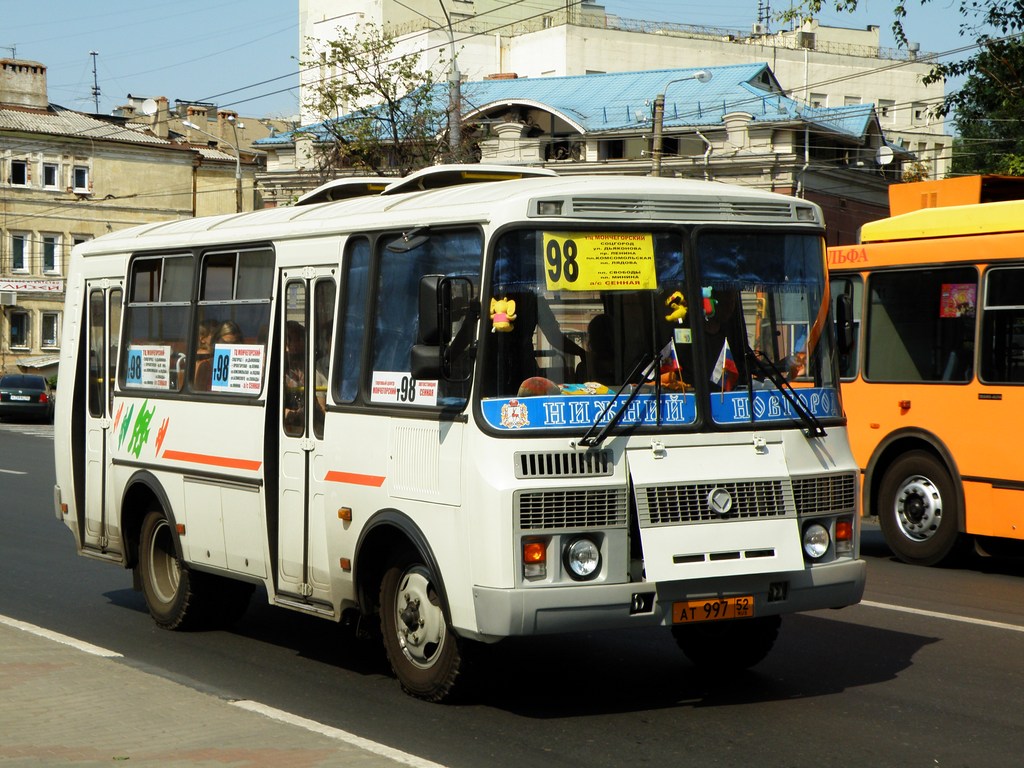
(621, 101)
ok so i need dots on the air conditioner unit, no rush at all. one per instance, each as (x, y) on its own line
(759, 29)
(8, 298)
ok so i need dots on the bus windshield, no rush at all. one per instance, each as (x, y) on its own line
(645, 329)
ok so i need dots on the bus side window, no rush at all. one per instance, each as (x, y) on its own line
(1002, 330)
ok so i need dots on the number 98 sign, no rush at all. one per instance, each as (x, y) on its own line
(599, 261)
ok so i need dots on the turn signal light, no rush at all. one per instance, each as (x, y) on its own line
(535, 559)
(844, 536)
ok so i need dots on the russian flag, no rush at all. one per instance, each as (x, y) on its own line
(725, 372)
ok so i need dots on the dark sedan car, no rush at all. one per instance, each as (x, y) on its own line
(25, 396)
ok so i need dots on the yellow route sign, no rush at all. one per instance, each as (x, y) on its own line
(599, 261)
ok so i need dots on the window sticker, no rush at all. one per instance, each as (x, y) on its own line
(402, 389)
(958, 300)
(769, 405)
(149, 366)
(237, 368)
(599, 261)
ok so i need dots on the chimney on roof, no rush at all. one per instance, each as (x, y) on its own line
(161, 118)
(23, 83)
(227, 121)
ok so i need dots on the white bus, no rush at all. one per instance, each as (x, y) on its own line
(461, 412)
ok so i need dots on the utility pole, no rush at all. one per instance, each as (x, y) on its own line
(95, 84)
(701, 76)
(454, 95)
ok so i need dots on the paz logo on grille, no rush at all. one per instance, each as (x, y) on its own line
(719, 501)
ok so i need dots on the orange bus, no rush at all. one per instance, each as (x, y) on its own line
(930, 305)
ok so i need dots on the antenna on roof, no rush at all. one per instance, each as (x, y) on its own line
(12, 48)
(95, 83)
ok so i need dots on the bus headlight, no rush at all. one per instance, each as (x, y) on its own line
(582, 558)
(815, 540)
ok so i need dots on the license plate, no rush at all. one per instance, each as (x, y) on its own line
(21, 398)
(690, 611)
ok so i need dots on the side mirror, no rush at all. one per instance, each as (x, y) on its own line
(446, 312)
(844, 322)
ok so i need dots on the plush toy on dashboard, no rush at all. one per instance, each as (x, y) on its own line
(676, 304)
(503, 312)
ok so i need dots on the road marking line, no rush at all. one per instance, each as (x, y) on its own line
(80, 645)
(12, 472)
(946, 616)
(337, 734)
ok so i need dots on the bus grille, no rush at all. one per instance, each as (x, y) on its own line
(577, 508)
(689, 210)
(825, 493)
(674, 504)
(563, 464)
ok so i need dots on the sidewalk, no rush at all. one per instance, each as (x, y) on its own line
(63, 705)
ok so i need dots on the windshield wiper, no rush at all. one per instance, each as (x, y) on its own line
(644, 367)
(812, 427)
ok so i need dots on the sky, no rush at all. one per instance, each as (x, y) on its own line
(243, 54)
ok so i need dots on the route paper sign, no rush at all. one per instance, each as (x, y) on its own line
(237, 368)
(149, 366)
(401, 388)
(599, 261)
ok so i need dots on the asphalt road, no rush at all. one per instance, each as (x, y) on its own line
(928, 671)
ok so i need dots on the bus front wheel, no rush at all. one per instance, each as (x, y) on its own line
(919, 511)
(166, 584)
(724, 646)
(424, 652)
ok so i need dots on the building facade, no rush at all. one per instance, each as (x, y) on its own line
(67, 177)
(819, 65)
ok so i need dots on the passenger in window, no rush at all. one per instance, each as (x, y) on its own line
(204, 349)
(227, 332)
(294, 376)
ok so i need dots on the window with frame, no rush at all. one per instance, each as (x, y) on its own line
(20, 327)
(156, 322)
(1001, 358)
(887, 111)
(352, 331)
(19, 251)
(19, 173)
(49, 336)
(51, 251)
(51, 175)
(396, 317)
(80, 178)
(920, 325)
(232, 321)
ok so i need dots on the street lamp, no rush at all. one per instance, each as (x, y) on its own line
(238, 160)
(701, 76)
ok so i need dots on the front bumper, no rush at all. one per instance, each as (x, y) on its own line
(551, 610)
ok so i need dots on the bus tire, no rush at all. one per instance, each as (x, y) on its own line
(728, 646)
(169, 587)
(919, 510)
(424, 652)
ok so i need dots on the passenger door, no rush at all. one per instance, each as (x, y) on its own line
(103, 321)
(305, 341)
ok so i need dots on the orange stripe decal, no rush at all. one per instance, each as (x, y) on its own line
(213, 461)
(354, 478)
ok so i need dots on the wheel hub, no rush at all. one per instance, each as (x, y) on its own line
(421, 625)
(918, 508)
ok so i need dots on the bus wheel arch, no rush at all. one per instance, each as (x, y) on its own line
(143, 493)
(398, 577)
(914, 488)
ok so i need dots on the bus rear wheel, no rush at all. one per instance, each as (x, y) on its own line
(167, 585)
(728, 646)
(424, 652)
(919, 510)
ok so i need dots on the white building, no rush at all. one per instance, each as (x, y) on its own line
(822, 66)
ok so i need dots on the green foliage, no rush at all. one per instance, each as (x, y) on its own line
(989, 107)
(380, 113)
